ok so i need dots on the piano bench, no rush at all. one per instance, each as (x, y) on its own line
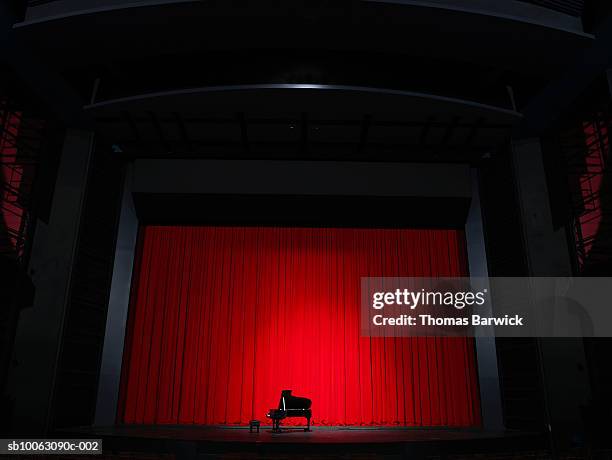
(254, 424)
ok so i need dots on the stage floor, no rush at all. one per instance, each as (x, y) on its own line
(322, 442)
(318, 435)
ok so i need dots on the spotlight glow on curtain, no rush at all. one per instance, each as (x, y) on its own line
(222, 319)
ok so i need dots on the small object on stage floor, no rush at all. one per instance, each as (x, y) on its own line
(290, 406)
(254, 424)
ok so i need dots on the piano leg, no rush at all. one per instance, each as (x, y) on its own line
(308, 429)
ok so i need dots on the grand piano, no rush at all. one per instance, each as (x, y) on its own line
(290, 406)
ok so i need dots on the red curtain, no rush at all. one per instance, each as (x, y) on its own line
(222, 319)
(11, 179)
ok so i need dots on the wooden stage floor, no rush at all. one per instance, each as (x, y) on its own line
(237, 442)
(318, 435)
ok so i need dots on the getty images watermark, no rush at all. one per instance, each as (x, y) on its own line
(503, 307)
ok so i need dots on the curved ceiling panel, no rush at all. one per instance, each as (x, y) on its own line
(408, 28)
(302, 120)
